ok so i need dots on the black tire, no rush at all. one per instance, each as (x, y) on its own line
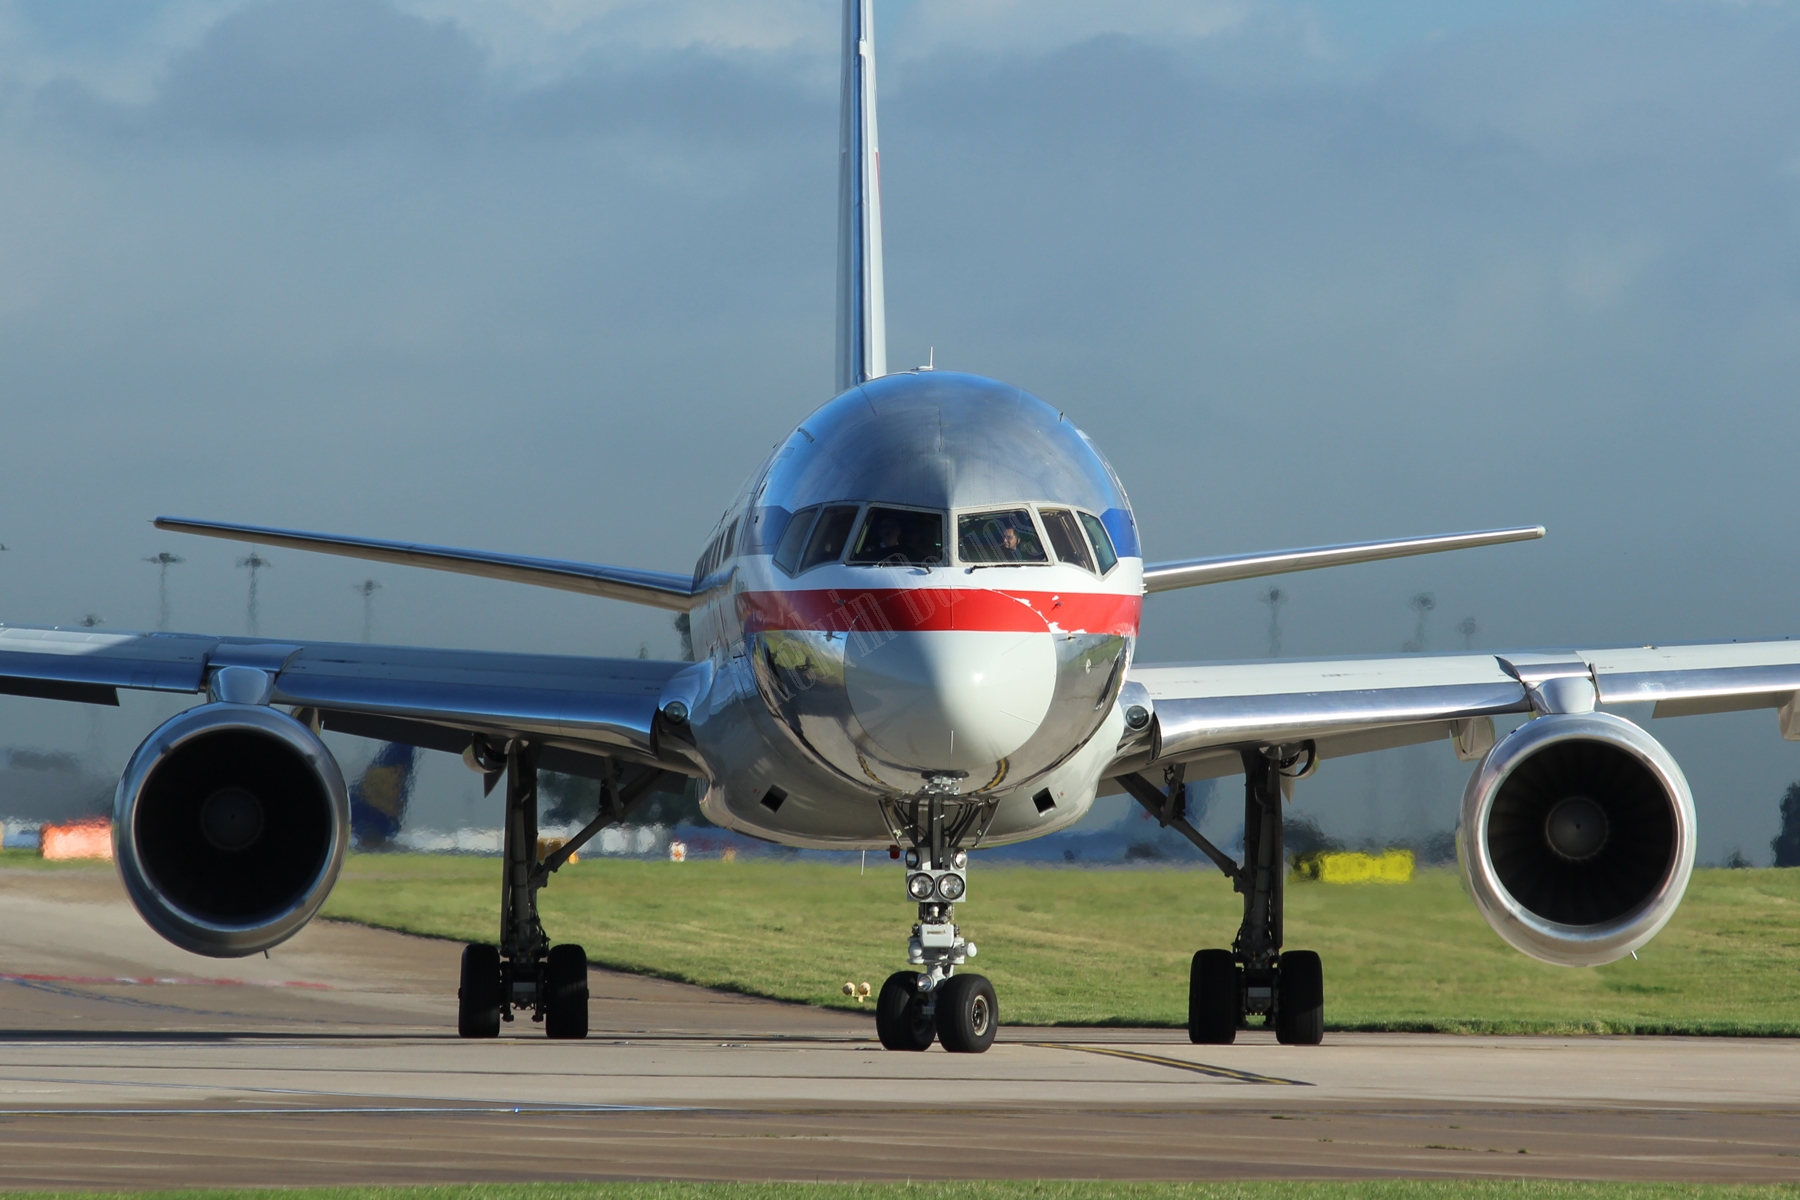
(566, 992)
(900, 1020)
(1214, 1006)
(1299, 999)
(478, 997)
(968, 1014)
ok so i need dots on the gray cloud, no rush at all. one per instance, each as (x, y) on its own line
(341, 271)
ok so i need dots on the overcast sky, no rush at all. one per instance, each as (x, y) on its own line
(552, 276)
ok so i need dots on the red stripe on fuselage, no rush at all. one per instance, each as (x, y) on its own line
(903, 610)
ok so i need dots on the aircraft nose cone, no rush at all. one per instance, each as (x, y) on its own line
(951, 699)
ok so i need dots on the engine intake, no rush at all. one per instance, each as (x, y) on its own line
(229, 827)
(1577, 838)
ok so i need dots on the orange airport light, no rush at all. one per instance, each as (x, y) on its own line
(78, 839)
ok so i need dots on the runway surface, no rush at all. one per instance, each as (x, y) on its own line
(126, 1062)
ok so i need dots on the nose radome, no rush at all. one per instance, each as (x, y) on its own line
(950, 699)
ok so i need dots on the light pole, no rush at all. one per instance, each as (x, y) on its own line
(89, 622)
(163, 560)
(1274, 598)
(1422, 604)
(254, 562)
(367, 589)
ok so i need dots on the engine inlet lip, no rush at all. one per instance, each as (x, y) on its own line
(1552, 941)
(192, 931)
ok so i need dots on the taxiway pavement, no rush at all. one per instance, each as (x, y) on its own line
(126, 1062)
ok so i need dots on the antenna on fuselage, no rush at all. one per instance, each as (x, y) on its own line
(861, 307)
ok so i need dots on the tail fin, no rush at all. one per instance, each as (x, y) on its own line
(378, 800)
(861, 309)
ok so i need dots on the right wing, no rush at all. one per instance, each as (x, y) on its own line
(581, 710)
(659, 589)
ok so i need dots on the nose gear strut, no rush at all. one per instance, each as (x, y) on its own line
(916, 1007)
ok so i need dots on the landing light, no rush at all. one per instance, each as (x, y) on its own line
(952, 887)
(919, 886)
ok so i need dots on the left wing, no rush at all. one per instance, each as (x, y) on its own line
(1166, 576)
(1203, 714)
(659, 589)
(580, 709)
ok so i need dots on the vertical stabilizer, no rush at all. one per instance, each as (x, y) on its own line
(861, 310)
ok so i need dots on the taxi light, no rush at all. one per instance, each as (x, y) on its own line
(919, 886)
(952, 887)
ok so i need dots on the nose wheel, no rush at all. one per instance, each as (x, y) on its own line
(962, 1013)
(937, 1003)
(968, 1016)
(902, 1020)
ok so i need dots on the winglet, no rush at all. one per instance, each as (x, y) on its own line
(1167, 576)
(861, 306)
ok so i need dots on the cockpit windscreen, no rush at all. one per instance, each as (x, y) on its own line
(829, 535)
(900, 537)
(1007, 536)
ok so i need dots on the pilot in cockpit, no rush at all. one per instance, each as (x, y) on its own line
(887, 537)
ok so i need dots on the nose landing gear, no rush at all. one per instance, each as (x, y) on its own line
(916, 1007)
(1255, 977)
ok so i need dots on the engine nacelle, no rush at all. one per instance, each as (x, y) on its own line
(1577, 838)
(229, 827)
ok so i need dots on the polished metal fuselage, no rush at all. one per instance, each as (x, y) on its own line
(829, 692)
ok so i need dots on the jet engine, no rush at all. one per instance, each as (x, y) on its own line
(229, 827)
(1577, 838)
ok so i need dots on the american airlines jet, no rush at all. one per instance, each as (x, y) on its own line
(914, 626)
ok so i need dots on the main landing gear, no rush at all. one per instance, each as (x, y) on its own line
(917, 1007)
(525, 971)
(1254, 977)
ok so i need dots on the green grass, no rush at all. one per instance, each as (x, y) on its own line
(31, 858)
(1086, 947)
(1005, 1190)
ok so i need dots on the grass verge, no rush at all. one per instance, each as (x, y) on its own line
(1095, 947)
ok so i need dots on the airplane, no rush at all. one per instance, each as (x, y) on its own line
(915, 629)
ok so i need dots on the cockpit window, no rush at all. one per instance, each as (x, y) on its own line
(829, 535)
(900, 537)
(1103, 547)
(1065, 537)
(998, 537)
(793, 539)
